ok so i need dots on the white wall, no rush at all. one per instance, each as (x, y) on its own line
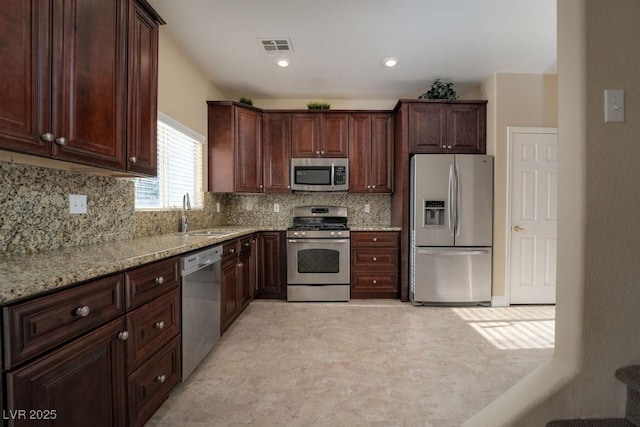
(598, 269)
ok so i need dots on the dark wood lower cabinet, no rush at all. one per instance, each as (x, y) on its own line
(229, 301)
(374, 264)
(237, 280)
(81, 384)
(271, 279)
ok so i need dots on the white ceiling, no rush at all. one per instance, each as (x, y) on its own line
(339, 45)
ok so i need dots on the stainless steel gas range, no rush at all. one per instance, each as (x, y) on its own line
(318, 254)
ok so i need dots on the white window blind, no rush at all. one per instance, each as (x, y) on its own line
(179, 169)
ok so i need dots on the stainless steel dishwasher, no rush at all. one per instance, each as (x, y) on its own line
(200, 306)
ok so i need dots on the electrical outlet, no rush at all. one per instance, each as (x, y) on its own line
(218, 207)
(367, 208)
(77, 204)
(613, 106)
(276, 207)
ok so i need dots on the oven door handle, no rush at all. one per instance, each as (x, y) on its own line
(329, 241)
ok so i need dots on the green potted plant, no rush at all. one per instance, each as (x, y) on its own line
(315, 105)
(245, 100)
(440, 90)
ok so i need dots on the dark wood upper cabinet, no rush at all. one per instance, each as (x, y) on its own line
(447, 127)
(235, 148)
(371, 153)
(276, 150)
(66, 90)
(142, 110)
(319, 134)
(25, 76)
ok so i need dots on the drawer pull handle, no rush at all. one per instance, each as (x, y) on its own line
(375, 259)
(161, 379)
(123, 336)
(159, 325)
(375, 281)
(375, 239)
(159, 280)
(83, 311)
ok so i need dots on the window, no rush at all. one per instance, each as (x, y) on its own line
(179, 169)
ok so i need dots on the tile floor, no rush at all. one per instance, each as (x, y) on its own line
(361, 363)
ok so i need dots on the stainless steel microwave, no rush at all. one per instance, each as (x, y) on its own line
(319, 174)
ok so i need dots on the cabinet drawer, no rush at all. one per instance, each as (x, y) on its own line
(245, 245)
(150, 385)
(35, 326)
(382, 258)
(372, 281)
(152, 326)
(230, 249)
(374, 239)
(147, 282)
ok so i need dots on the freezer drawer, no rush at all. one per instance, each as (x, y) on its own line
(450, 275)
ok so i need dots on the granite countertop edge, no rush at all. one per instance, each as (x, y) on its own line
(24, 276)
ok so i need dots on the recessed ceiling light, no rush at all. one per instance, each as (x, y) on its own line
(283, 62)
(390, 62)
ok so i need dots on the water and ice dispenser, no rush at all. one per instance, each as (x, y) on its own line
(434, 213)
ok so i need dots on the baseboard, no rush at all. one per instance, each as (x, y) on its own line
(499, 301)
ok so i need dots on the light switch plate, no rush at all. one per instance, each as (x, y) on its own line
(613, 106)
(77, 204)
(367, 208)
(276, 207)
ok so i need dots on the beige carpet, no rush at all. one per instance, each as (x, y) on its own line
(362, 363)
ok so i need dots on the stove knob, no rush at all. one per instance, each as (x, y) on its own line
(333, 233)
(295, 233)
(339, 233)
(303, 234)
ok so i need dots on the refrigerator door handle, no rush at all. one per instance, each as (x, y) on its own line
(450, 201)
(441, 252)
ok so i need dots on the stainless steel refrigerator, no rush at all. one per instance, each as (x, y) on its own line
(451, 228)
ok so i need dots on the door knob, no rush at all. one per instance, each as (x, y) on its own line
(517, 228)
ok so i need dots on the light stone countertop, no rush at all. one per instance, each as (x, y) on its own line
(27, 275)
(24, 276)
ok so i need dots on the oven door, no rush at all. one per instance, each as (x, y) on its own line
(318, 261)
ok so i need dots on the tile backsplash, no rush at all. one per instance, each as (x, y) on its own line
(34, 210)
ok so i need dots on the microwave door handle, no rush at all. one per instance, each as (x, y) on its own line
(333, 174)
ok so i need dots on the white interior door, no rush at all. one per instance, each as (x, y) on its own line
(533, 215)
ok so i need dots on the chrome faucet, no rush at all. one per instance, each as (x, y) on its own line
(186, 206)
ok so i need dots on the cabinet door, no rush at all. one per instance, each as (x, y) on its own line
(90, 82)
(427, 128)
(248, 167)
(271, 266)
(25, 76)
(143, 93)
(245, 287)
(467, 128)
(381, 164)
(305, 135)
(229, 308)
(334, 135)
(84, 382)
(277, 152)
(360, 166)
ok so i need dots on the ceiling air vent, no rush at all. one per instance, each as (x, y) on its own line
(277, 46)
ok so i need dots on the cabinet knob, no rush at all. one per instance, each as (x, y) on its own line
(368, 186)
(133, 159)
(375, 239)
(123, 336)
(161, 379)
(232, 250)
(247, 244)
(322, 152)
(159, 325)
(240, 265)
(373, 186)
(47, 137)
(83, 311)
(317, 152)
(288, 187)
(159, 280)
(444, 146)
(61, 141)
(375, 258)
(448, 146)
(374, 281)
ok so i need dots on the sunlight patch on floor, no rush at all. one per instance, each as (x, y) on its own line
(513, 328)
